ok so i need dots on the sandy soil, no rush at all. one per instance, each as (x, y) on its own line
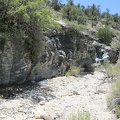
(59, 98)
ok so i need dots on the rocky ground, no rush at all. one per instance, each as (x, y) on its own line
(57, 99)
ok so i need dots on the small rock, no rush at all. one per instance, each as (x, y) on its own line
(31, 116)
(57, 109)
(48, 117)
(113, 111)
(42, 102)
(75, 93)
(37, 98)
(44, 117)
(38, 116)
(3, 116)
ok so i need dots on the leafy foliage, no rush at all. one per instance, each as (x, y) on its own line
(105, 35)
(26, 15)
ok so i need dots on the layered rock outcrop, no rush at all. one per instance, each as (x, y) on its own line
(48, 57)
(63, 49)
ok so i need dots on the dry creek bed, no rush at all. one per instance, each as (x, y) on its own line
(58, 99)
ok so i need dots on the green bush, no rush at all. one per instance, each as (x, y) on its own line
(118, 111)
(105, 35)
(81, 116)
(81, 20)
(73, 71)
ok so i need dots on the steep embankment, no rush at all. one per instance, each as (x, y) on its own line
(59, 98)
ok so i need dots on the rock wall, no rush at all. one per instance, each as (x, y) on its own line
(63, 49)
(59, 51)
(15, 64)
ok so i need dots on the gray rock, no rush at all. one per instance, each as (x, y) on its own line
(113, 55)
(62, 49)
(75, 92)
(104, 52)
(3, 116)
(15, 64)
(37, 98)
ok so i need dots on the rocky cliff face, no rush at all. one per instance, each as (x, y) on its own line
(63, 49)
(54, 57)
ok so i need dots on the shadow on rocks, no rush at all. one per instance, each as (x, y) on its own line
(32, 91)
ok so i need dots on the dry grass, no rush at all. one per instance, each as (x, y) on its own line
(73, 71)
(81, 116)
(114, 98)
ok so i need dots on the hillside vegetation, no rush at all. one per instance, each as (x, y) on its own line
(83, 14)
(24, 18)
(28, 19)
(87, 18)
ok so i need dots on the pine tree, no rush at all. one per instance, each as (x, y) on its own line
(56, 5)
(70, 2)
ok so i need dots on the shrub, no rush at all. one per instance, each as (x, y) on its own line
(114, 98)
(118, 111)
(73, 13)
(81, 116)
(73, 71)
(105, 35)
(109, 69)
(81, 20)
